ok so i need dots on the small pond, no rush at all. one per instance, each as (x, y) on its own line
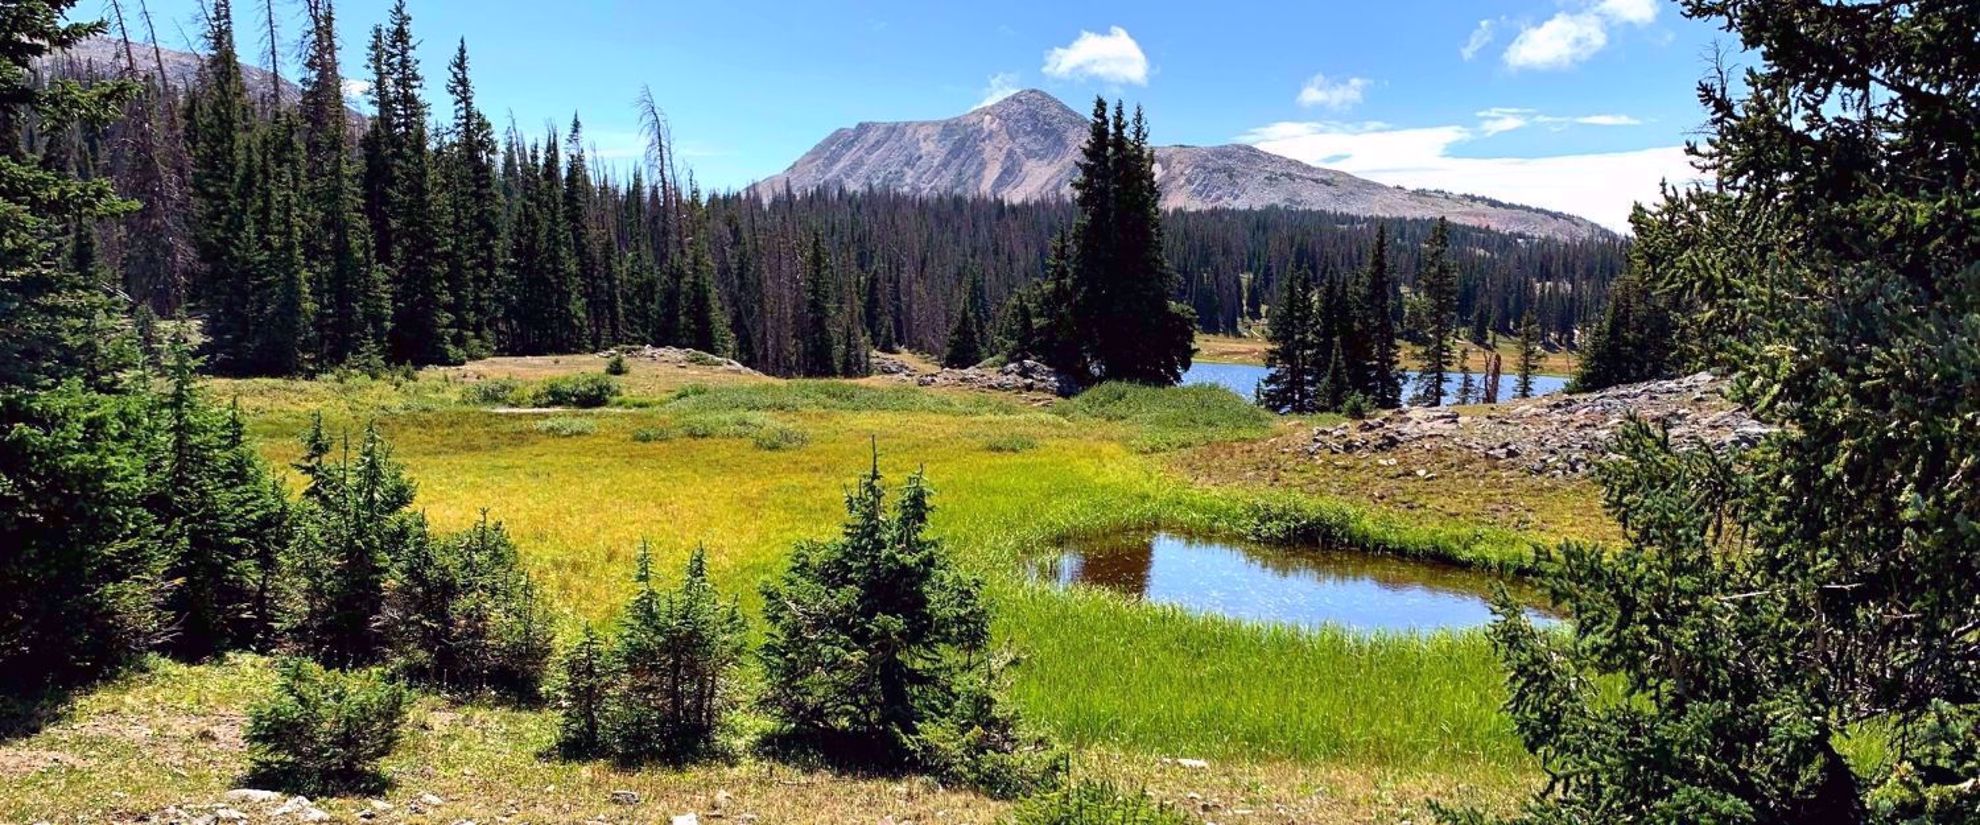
(1307, 587)
(1243, 379)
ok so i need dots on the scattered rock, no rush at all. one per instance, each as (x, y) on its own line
(1017, 376)
(1559, 435)
(886, 364)
(228, 815)
(301, 809)
(680, 357)
(721, 801)
(430, 800)
(686, 819)
(251, 796)
(625, 797)
(1192, 764)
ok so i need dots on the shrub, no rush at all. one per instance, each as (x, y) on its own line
(875, 668)
(584, 390)
(1011, 443)
(616, 365)
(645, 435)
(587, 674)
(1094, 803)
(724, 425)
(780, 437)
(1355, 407)
(460, 614)
(492, 392)
(324, 731)
(566, 426)
(673, 666)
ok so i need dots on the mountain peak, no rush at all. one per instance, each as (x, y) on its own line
(1025, 147)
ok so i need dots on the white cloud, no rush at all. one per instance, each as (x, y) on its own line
(1333, 94)
(1001, 85)
(1608, 120)
(1113, 57)
(1633, 12)
(356, 89)
(1496, 120)
(1480, 38)
(1600, 187)
(1570, 37)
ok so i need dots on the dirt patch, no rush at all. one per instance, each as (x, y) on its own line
(25, 761)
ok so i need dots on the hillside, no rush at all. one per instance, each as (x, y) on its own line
(1024, 148)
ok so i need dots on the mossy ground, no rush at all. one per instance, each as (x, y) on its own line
(1307, 727)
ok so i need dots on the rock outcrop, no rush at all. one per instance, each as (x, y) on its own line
(1024, 148)
(1557, 434)
(1017, 376)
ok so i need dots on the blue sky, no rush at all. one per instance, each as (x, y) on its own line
(1576, 105)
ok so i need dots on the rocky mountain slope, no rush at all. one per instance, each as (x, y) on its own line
(104, 57)
(1024, 148)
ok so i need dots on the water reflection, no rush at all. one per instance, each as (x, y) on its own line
(1243, 379)
(1306, 587)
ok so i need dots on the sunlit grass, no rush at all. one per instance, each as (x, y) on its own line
(680, 462)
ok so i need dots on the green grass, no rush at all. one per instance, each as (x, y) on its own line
(1169, 418)
(748, 468)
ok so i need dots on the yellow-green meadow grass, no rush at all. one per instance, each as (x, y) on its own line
(675, 463)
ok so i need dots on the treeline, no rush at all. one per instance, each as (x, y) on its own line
(310, 240)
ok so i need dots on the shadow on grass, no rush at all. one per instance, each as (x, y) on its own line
(25, 714)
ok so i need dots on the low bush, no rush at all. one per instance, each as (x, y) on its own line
(492, 392)
(780, 437)
(1010, 443)
(876, 653)
(461, 615)
(724, 425)
(323, 732)
(565, 426)
(584, 390)
(647, 435)
(663, 688)
(1094, 803)
(616, 365)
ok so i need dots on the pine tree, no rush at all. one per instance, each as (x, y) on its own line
(1436, 283)
(473, 207)
(587, 682)
(350, 292)
(967, 336)
(1292, 375)
(704, 325)
(222, 518)
(675, 658)
(1529, 354)
(601, 301)
(80, 579)
(1635, 339)
(351, 525)
(887, 628)
(1126, 326)
(818, 347)
(415, 245)
(878, 311)
(225, 181)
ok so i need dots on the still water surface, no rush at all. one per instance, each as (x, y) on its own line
(1307, 587)
(1243, 379)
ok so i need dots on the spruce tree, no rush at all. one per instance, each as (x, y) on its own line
(878, 311)
(1529, 354)
(818, 347)
(967, 345)
(1772, 607)
(674, 667)
(704, 325)
(350, 291)
(222, 518)
(1126, 326)
(80, 578)
(1436, 284)
(473, 208)
(352, 523)
(1635, 340)
(422, 328)
(587, 684)
(1368, 343)
(1292, 371)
